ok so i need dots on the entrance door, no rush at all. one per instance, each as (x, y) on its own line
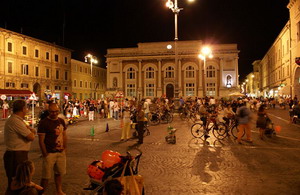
(170, 91)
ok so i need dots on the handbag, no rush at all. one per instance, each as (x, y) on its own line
(132, 184)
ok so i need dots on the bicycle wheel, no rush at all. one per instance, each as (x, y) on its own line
(154, 121)
(183, 116)
(220, 131)
(197, 130)
(169, 118)
(234, 132)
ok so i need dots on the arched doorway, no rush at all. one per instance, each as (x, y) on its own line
(297, 82)
(170, 91)
(37, 89)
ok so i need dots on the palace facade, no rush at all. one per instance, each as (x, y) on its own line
(149, 70)
(34, 65)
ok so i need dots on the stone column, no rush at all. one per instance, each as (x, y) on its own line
(179, 78)
(140, 94)
(108, 83)
(222, 85)
(200, 78)
(236, 72)
(159, 89)
(121, 76)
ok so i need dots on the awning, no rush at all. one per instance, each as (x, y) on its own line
(67, 94)
(15, 92)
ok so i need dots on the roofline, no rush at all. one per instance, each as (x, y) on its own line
(34, 39)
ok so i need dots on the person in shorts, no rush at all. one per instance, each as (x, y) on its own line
(53, 143)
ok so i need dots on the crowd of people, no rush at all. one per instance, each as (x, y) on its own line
(53, 138)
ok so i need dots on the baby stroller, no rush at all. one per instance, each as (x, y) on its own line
(128, 166)
(270, 131)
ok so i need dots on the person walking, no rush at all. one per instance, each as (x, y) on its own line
(53, 144)
(262, 121)
(126, 128)
(17, 139)
(244, 117)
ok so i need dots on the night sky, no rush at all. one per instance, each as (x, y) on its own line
(93, 26)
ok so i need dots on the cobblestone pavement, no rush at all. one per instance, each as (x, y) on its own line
(188, 167)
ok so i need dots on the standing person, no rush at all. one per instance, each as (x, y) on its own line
(17, 138)
(262, 121)
(91, 111)
(146, 108)
(53, 144)
(5, 108)
(126, 128)
(243, 114)
(22, 183)
(111, 109)
(140, 121)
(116, 110)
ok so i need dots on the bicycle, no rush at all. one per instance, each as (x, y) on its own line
(218, 129)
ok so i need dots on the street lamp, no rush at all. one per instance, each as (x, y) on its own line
(93, 59)
(173, 5)
(205, 52)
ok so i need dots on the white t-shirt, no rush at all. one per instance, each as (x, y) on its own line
(146, 107)
(15, 133)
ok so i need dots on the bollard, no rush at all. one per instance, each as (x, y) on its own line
(107, 128)
(92, 132)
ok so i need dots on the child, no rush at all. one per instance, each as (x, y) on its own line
(22, 183)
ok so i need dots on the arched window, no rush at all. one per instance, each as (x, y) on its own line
(210, 72)
(170, 72)
(150, 73)
(130, 73)
(115, 82)
(189, 72)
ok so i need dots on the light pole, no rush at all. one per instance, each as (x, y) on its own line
(205, 52)
(173, 5)
(93, 59)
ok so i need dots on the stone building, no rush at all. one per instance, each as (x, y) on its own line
(31, 64)
(279, 69)
(149, 70)
(86, 84)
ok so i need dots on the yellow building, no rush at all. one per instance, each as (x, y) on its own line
(31, 64)
(86, 85)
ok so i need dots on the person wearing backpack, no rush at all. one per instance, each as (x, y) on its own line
(244, 117)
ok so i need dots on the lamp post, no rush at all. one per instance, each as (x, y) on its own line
(205, 52)
(173, 5)
(92, 59)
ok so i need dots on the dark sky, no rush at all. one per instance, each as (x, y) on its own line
(95, 25)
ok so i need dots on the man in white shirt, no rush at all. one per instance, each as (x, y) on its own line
(111, 108)
(17, 138)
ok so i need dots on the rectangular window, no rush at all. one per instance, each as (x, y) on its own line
(47, 73)
(66, 88)
(85, 70)
(210, 89)
(75, 83)
(36, 53)
(91, 85)
(24, 50)
(57, 88)
(36, 71)
(47, 55)
(9, 46)
(57, 74)
(85, 85)
(149, 90)
(66, 60)
(9, 84)
(24, 85)
(47, 87)
(9, 67)
(66, 75)
(80, 69)
(24, 69)
(190, 89)
(131, 90)
(56, 58)
(81, 84)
